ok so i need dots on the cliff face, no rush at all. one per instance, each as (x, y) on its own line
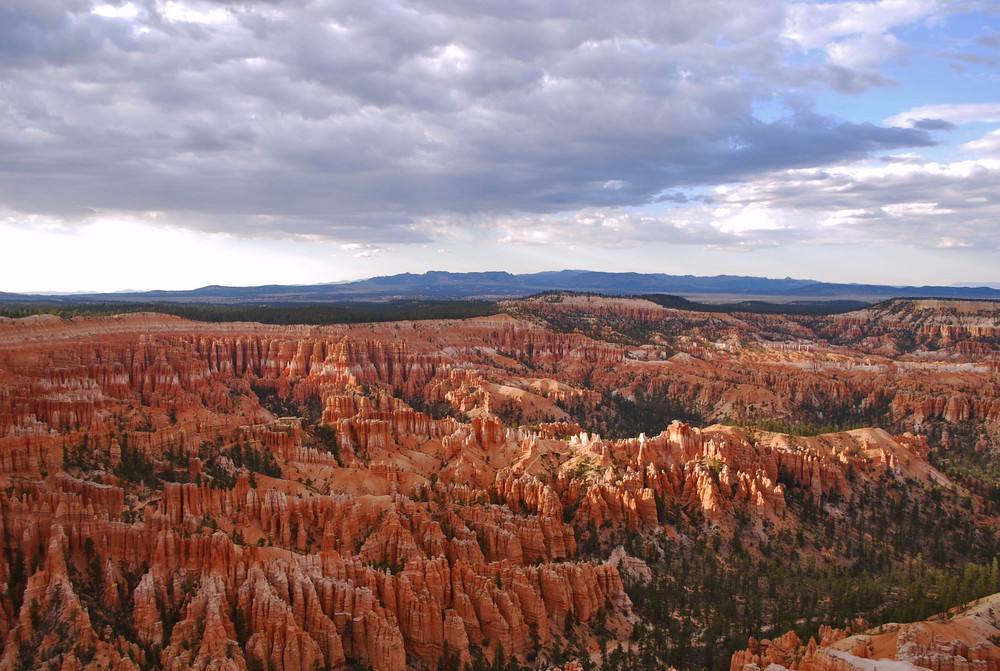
(236, 496)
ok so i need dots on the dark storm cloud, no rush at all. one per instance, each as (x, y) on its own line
(354, 120)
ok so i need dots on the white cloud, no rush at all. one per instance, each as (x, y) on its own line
(867, 51)
(856, 34)
(363, 251)
(988, 144)
(965, 113)
(952, 243)
(734, 226)
(194, 13)
(928, 204)
(902, 210)
(126, 11)
(749, 219)
(593, 227)
(816, 25)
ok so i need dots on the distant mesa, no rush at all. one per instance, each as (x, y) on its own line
(440, 285)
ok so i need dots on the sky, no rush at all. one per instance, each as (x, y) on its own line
(156, 144)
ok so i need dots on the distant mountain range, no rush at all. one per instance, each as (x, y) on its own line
(439, 285)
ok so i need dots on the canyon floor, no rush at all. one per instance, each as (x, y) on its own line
(576, 482)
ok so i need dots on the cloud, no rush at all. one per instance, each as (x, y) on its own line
(818, 25)
(902, 204)
(946, 113)
(355, 121)
(932, 124)
(907, 157)
(989, 38)
(602, 227)
(988, 144)
(360, 251)
(856, 38)
(712, 227)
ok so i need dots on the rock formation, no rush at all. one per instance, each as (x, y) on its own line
(960, 640)
(238, 496)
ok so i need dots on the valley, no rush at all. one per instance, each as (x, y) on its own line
(574, 482)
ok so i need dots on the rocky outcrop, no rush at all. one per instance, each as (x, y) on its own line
(54, 630)
(205, 637)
